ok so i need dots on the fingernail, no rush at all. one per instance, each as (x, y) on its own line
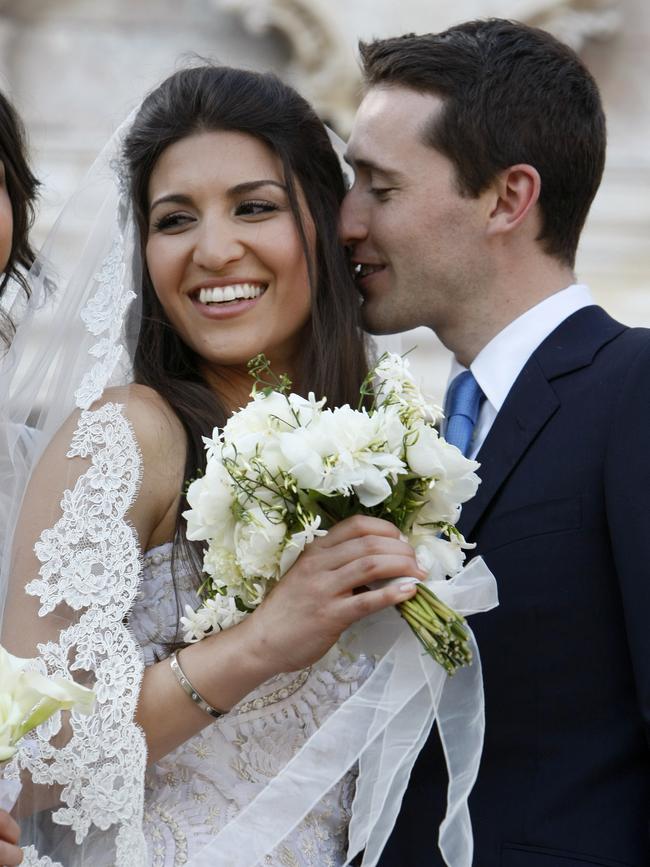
(407, 584)
(403, 538)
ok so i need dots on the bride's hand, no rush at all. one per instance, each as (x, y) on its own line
(10, 854)
(319, 596)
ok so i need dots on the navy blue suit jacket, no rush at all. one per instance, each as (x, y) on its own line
(562, 518)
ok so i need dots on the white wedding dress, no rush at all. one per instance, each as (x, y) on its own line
(200, 786)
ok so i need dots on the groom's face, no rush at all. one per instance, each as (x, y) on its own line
(416, 242)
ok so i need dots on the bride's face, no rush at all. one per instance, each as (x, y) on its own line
(223, 250)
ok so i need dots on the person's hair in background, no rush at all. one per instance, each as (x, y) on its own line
(212, 99)
(21, 186)
(512, 94)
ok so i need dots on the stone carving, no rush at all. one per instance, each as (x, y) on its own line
(322, 34)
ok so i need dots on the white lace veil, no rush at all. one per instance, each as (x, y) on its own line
(83, 777)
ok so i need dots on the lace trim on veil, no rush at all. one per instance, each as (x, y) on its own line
(31, 859)
(91, 562)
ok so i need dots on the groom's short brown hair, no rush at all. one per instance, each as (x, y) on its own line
(512, 94)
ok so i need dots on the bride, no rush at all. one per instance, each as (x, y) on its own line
(219, 243)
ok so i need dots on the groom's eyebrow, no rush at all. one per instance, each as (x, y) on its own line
(369, 166)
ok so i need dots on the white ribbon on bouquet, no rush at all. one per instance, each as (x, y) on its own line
(382, 727)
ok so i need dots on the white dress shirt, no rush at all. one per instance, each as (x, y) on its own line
(500, 362)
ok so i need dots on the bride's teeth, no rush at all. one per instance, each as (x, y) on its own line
(223, 294)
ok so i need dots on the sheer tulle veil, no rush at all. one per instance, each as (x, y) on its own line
(83, 777)
(70, 575)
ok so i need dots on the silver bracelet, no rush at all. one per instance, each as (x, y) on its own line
(194, 694)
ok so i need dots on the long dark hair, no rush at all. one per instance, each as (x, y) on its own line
(22, 187)
(511, 94)
(333, 360)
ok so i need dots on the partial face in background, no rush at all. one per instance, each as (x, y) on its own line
(6, 221)
(223, 250)
(416, 240)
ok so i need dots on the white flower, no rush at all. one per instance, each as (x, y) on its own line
(11, 716)
(246, 429)
(28, 699)
(211, 499)
(425, 452)
(439, 558)
(393, 372)
(394, 384)
(221, 565)
(214, 615)
(297, 543)
(345, 450)
(196, 624)
(223, 610)
(454, 479)
(259, 540)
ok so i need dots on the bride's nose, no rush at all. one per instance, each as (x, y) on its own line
(217, 244)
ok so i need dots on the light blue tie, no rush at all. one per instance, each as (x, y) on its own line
(462, 406)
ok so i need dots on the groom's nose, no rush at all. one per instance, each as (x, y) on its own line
(353, 225)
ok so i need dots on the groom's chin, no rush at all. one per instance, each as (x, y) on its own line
(376, 324)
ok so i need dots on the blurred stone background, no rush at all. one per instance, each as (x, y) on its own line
(75, 68)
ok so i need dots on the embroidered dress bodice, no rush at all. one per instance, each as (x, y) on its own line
(198, 787)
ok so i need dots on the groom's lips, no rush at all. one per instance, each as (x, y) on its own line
(364, 271)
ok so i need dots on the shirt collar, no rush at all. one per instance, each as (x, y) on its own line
(500, 362)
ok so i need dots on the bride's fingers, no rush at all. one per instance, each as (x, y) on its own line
(360, 605)
(375, 567)
(10, 856)
(355, 527)
(363, 546)
(9, 830)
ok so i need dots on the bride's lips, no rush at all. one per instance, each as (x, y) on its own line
(223, 299)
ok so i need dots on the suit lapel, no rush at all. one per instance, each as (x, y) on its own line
(532, 401)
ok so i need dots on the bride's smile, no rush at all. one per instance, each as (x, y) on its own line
(224, 252)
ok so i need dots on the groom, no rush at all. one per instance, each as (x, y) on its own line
(477, 154)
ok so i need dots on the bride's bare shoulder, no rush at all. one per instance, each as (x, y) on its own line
(162, 443)
(156, 426)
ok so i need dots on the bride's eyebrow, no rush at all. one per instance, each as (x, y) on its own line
(237, 190)
(251, 186)
(173, 198)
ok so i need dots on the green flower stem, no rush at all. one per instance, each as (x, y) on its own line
(440, 629)
(438, 605)
(423, 618)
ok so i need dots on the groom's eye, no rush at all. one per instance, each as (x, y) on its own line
(382, 194)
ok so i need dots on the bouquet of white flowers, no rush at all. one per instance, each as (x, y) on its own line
(285, 468)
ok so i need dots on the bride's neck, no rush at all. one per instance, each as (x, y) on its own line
(233, 383)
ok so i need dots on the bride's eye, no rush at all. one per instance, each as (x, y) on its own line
(170, 221)
(255, 208)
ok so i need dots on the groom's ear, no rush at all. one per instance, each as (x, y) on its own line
(515, 193)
